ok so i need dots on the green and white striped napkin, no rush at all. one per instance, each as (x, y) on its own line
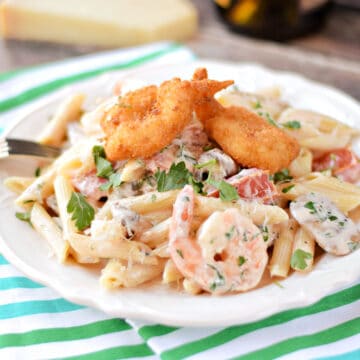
(35, 323)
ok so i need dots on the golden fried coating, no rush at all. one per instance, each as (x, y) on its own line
(146, 120)
(252, 142)
(241, 133)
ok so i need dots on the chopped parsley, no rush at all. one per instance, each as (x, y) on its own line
(298, 259)
(287, 189)
(230, 233)
(241, 260)
(38, 172)
(82, 212)
(310, 205)
(227, 191)
(270, 120)
(177, 177)
(104, 169)
(114, 181)
(219, 279)
(208, 147)
(180, 253)
(332, 218)
(23, 216)
(257, 105)
(294, 124)
(282, 176)
(211, 162)
(265, 232)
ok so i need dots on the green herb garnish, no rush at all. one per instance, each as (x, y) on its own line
(230, 233)
(104, 169)
(180, 253)
(257, 105)
(227, 191)
(114, 181)
(298, 259)
(82, 212)
(294, 124)
(270, 120)
(287, 189)
(241, 260)
(311, 206)
(177, 177)
(282, 176)
(24, 216)
(37, 171)
(211, 162)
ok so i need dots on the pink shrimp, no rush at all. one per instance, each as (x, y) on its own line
(227, 254)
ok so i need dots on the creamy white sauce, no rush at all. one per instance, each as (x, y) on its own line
(332, 230)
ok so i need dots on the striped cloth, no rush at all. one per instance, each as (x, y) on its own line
(35, 323)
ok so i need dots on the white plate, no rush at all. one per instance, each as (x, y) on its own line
(27, 251)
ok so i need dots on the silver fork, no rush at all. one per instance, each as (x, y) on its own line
(10, 146)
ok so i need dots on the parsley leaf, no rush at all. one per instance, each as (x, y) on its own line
(104, 169)
(206, 164)
(283, 175)
(287, 189)
(241, 260)
(25, 216)
(177, 177)
(298, 259)
(82, 212)
(38, 172)
(310, 205)
(294, 124)
(257, 105)
(103, 166)
(114, 181)
(227, 191)
(270, 120)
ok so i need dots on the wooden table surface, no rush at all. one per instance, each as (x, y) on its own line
(331, 56)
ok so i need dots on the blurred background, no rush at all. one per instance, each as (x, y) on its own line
(318, 38)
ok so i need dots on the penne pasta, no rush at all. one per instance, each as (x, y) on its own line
(150, 202)
(39, 189)
(283, 245)
(303, 251)
(115, 274)
(63, 191)
(317, 131)
(191, 287)
(345, 195)
(302, 165)
(133, 251)
(50, 231)
(258, 213)
(55, 131)
(133, 170)
(171, 273)
(18, 184)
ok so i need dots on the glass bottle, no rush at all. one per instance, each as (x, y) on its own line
(273, 19)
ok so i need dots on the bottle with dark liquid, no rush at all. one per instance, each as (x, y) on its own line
(273, 19)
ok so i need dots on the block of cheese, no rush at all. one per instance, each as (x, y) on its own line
(98, 22)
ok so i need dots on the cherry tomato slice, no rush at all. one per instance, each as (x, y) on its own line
(252, 184)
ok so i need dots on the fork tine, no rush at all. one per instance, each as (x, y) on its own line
(25, 147)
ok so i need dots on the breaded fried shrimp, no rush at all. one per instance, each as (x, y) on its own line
(241, 133)
(146, 120)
